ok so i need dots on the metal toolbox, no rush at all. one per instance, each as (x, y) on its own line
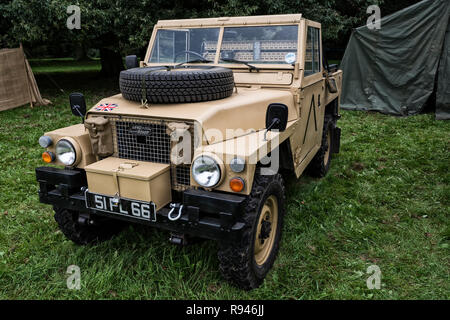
(131, 179)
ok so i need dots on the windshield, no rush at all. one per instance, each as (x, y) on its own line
(259, 45)
(181, 45)
(265, 44)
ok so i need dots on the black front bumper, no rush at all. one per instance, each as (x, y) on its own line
(210, 215)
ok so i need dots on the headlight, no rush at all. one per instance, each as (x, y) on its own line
(206, 171)
(65, 152)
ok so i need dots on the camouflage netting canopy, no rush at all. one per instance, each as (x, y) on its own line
(395, 69)
(17, 83)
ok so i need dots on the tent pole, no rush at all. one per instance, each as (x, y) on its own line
(28, 76)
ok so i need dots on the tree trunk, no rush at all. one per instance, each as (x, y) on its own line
(111, 61)
(80, 53)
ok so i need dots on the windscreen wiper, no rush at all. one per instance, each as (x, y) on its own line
(194, 61)
(251, 67)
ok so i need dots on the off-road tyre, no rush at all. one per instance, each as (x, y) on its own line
(85, 234)
(180, 85)
(320, 164)
(237, 261)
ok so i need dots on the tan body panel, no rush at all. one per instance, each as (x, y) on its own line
(305, 141)
(270, 78)
(313, 98)
(81, 136)
(231, 21)
(244, 110)
(139, 180)
(252, 148)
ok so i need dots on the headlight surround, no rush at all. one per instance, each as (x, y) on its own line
(66, 152)
(206, 171)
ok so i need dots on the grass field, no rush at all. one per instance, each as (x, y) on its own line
(384, 202)
(63, 65)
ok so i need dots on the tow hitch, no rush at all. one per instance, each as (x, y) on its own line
(175, 212)
(178, 239)
(84, 219)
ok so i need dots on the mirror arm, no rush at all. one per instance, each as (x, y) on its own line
(79, 112)
(275, 121)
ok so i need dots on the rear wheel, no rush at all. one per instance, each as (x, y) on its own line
(85, 233)
(247, 263)
(320, 164)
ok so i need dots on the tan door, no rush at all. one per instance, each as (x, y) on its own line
(307, 138)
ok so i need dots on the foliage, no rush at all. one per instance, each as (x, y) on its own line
(126, 25)
(334, 16)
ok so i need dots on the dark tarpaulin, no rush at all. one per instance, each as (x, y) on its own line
(393, 69)
(443, 87)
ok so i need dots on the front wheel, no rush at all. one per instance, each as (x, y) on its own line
(83, 234)
(247, 263)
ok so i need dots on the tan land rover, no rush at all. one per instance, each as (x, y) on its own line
(199, 139)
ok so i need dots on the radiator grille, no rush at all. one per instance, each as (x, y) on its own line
(148, 140)
(143, 142)
(183, 174)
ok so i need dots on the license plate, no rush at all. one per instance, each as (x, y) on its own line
(125, 207)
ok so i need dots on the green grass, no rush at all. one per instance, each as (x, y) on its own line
(385, 201)
(63, 65)
(338, 62)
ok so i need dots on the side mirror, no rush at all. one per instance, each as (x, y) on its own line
(276, 117)
(77, 104)
(331, 84)
(131, 62)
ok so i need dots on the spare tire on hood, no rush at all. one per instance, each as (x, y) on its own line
(176, 85)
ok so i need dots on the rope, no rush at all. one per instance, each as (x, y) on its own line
(46, 74)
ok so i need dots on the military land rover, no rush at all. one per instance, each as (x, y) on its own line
(200, 138)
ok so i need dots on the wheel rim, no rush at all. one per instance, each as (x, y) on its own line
(326, 158)
(266, 230)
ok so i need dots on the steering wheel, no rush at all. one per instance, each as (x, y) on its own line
(190, 52)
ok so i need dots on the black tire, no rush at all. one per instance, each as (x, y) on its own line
(85, 234)
(237, 260)
(320, 164)
(177, 85)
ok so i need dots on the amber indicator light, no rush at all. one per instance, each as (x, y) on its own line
(47, 157)
(237, 184)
